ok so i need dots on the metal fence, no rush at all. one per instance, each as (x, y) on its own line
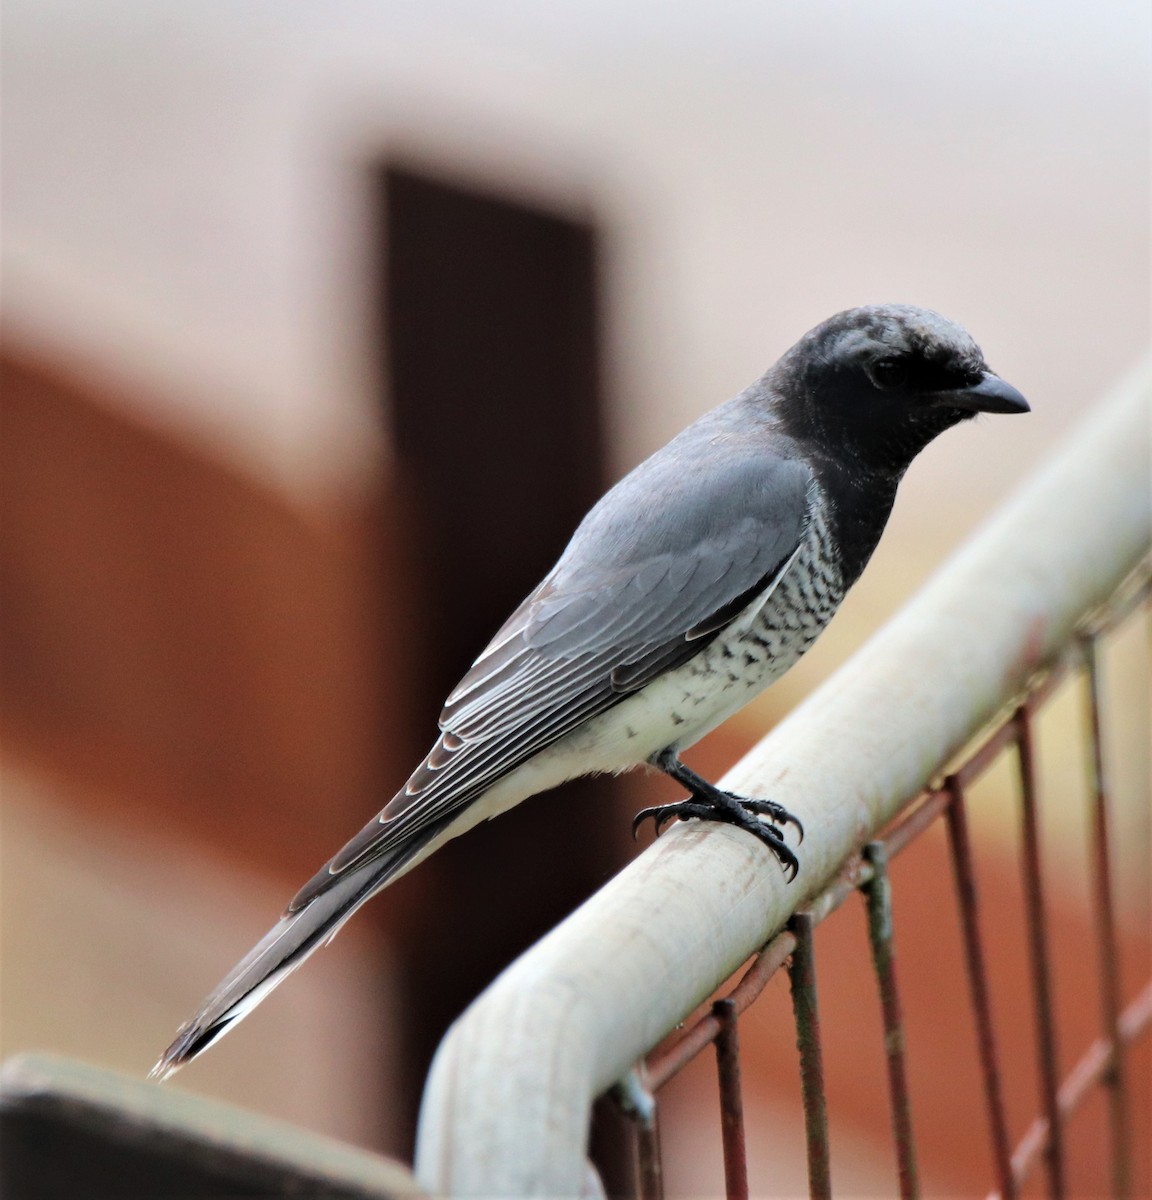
(507, 1105)
(1103, 1061)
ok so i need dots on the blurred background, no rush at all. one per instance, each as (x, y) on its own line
(324, 323)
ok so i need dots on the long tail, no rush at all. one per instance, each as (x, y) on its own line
(279, 953)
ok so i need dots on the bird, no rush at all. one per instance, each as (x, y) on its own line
(693, 583)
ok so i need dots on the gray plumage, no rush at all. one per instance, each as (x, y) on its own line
(697, 580)
(634, 594)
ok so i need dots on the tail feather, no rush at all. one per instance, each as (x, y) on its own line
(278, 954)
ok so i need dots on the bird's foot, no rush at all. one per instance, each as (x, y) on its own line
(744, 814)
(663, 813)
(710, 803)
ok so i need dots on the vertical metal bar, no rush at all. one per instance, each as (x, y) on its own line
(1114, 1079)
(634, 1095)
(978, 985)
(878, 892)
(649, 1165)
(731, 1104)
(1038, 954)
(802, 976)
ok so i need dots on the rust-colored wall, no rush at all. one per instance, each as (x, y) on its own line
(186, 639)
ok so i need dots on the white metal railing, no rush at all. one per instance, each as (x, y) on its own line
(506, 1107)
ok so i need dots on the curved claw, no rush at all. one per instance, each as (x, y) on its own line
(784, 856)
(639, 820)
(661, 814)
(784, 817)
(789, 862)
(769, 808)
(663, 820)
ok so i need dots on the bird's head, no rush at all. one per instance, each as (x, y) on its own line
(881, 382)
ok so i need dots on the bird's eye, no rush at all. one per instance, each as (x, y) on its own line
(888, 372)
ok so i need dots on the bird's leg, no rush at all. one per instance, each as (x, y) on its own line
(710, 803)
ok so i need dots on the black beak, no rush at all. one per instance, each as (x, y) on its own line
(991, 395)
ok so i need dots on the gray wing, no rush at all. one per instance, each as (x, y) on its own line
(667, 558)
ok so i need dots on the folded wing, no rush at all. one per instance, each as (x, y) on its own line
(672, 555)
